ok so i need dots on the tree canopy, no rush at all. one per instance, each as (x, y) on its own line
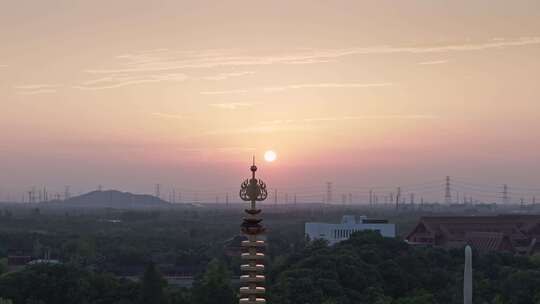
(369, 269)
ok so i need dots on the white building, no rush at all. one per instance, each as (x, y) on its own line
(335, 233)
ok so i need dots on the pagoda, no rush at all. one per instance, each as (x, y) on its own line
(253, 190)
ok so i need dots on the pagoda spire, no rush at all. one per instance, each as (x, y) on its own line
(253, 190)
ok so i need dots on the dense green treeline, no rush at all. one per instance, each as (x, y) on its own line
(67, 284)
(114, 240)
(118, 240)
(365, 269)
(92, 245)
(371, 269)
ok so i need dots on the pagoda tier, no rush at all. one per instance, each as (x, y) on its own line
(252, 256)
(252, 279)
(253, 230)
(260, 244)
(256, 301)
(252, 221)
(252, 269)
(252, 211)
(252, 291)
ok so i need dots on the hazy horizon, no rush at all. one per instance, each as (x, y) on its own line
(361, 93)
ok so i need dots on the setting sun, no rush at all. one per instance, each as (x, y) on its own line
(270, 156)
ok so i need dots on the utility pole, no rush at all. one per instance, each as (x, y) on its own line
(447, 192)
(398, 197)
(412, 198)
(506, 197)
(329, 194)
(371, 198)
(157, 192)
(275, 197)
(67, 195)
(467, 277)
(227, 200)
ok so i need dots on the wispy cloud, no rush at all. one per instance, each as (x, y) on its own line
(3, 65)
(358, 117)
(313, 123)
(433, 62)
(240, 91)
(215, 150)
(122, 80)
(300, 86)
(235, 150)
(232, 105)
(312, 61)
(166, 60)
(168, 115)
(37, 92)
(326, 86)
(231, 150)
(262, 129)
(224, 76)
(376, 117)
(35, 89)
(170, 65)
(35, 86)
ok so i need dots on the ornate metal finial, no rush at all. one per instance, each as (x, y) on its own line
(253, 190)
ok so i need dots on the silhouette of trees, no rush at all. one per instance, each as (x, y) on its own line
(48, 283)
(152, 286)
(368, 269)
(214, 287)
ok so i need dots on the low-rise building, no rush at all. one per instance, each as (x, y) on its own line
(334, 233)
(517, 234)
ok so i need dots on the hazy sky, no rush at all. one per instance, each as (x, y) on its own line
(363, 93)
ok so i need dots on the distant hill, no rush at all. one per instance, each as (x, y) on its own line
(115, 199)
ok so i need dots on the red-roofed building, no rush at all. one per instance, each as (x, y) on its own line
(505, 233)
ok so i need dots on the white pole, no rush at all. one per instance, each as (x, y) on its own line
(467, 278)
